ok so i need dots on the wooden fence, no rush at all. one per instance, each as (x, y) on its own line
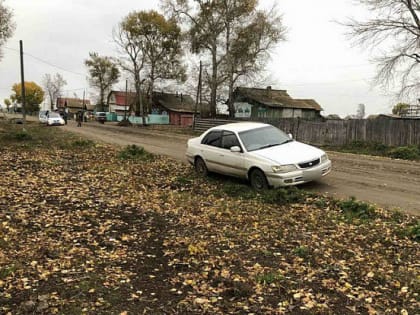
(385, 130)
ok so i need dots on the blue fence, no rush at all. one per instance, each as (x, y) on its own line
(150, 119)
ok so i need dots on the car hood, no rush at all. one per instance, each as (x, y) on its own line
(289, 153)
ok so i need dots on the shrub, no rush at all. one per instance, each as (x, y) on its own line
(301, 251)
(405, 153)
(366, 147)
(18, 136)
(353, 209)
(284, 196)
(413, 231)
(238, 190)
(134, 152)
(83, 143)
(269, 278)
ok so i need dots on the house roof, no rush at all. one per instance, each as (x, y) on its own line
(276, 98)
(120, 97)
(76, 103)
(176, 102)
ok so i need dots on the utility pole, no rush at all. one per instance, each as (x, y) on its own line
(126, 96)
(198, 97)
(83, 107)
(22, 79)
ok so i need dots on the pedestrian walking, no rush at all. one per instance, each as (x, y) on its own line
(65, 114)
(79, 118)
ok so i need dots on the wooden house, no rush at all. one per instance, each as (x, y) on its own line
(179, 107)
(74, 105)
(271, 104)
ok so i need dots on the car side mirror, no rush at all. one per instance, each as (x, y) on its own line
(235, 149)
(290, 136)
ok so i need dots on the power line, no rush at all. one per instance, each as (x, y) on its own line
(47, 63)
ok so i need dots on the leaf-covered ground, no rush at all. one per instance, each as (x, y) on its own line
(83, 231)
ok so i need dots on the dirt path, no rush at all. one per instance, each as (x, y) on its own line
(393, 184)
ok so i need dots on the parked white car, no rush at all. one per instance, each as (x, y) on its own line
(42, 116)
(54, 119)
(261, 153)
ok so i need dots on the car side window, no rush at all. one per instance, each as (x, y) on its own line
(229, 140)
(213, 138)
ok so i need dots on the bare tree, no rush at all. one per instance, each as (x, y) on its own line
(7, 26)
(395, 29)
(53, 86)
(132, 59)
(232, 35)
(103, 73)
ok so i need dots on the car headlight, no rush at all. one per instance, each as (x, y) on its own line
(283, 168)
(324, 158)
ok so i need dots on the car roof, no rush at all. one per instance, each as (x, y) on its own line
(240, 126)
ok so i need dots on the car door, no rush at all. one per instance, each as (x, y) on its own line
(231, 162)
(210, 150)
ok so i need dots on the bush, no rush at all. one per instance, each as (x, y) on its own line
(282, 196)
(366, 147)
(413, 231)
(83, 143)
(238, 190)
(353, 209)
(20, 136)
(302, 251)
(269, 278)
(405, 153)
(134, 152)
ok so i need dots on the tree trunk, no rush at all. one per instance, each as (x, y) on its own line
(138, 109)
(231, 106)
(213, 83)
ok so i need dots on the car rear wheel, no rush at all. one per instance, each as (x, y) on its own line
(200, 167)
(258, 180)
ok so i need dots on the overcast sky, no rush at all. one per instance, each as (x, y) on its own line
(317, 60)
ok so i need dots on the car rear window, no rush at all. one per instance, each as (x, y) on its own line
(213, 138)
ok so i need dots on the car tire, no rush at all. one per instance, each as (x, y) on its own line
(200, 167)
(258, 180)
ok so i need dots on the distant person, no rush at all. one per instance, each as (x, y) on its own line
(79, 118)
(65, 115)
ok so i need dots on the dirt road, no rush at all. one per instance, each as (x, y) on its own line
(392, 184)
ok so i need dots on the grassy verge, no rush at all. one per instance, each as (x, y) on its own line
(378, 149)
(90, 229)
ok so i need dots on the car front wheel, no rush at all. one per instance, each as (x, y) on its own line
(200, 167)
(258, 180)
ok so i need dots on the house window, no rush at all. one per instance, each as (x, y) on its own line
(262, 112)
(297, 113)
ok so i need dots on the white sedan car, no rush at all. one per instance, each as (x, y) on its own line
(261, 153)
(43, 116)
(54, 119)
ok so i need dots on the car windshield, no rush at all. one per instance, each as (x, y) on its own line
(54, 115)
(261, 138)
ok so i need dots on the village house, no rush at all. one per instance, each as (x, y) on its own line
(178, 107)
(74, 105)
(272, 104)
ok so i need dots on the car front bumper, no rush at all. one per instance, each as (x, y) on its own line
(300, 176)
(55, 123)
